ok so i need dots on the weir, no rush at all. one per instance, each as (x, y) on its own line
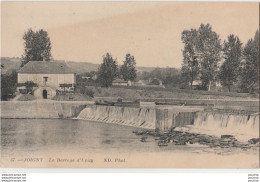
(159, 118)
(137, 117)
(242, 126)
(164, 119)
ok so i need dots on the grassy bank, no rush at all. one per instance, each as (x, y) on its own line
(133, 93)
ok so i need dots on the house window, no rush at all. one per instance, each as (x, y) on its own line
(45, 79)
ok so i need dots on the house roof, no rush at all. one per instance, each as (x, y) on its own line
(119, 81)
(45, 67)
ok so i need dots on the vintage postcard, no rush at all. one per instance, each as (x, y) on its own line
(130, 84)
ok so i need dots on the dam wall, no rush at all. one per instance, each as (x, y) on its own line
(136, 117)
(160, 118)
(167, 119)
(41, 109)
(164, 119)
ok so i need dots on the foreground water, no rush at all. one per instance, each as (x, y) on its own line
(70, 137)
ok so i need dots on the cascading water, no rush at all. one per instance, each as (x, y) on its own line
(138, 117)
(243, 127)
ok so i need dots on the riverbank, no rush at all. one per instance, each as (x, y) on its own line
(132, 93)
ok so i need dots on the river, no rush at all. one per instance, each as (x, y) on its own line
(69, 137)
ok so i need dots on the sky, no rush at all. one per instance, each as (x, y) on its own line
(150, 31)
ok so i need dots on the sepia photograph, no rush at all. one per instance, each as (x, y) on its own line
(129, 84)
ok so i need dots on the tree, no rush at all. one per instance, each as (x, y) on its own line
(157, 73)
(190, 66)
(209, 54)
(250, 65)
(29, 86)
(107, 71)
(144, 75)
(229, 70)
(170, 77)
(37, 46)
(127, 70)
(8, 85)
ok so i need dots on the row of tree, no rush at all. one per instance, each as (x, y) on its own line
(203, 53)
(109, 70)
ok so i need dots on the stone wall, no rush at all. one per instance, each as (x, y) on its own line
(41, 109)
(167, 119)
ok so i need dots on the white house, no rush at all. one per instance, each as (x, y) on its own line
(49, 76)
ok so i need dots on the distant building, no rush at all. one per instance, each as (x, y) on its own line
(49, 76)
(120, 82)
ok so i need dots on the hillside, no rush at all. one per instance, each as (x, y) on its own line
(77, 67)
(81, 67)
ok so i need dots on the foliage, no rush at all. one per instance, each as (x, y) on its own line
(170, 77)
(29, 86)
(37, 46)
(201, 55)
(230, 69)
(190, 66)
(8, 85)
(144, 75)
(154, 82)
(128, 70)
(209, 54)
(250, 66)
(107, 71)
(85, 91)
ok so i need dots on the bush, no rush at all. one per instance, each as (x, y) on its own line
(29, 86)
(8, 85)
(85, 91)
(154, 82)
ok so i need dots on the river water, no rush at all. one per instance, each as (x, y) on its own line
(41, 137)
(68, 135)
